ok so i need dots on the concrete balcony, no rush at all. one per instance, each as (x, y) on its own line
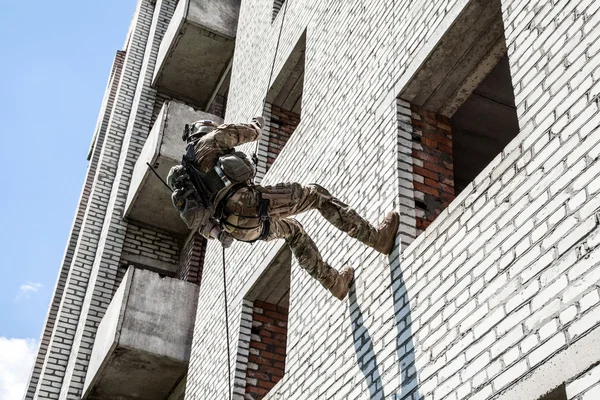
(148, 200)
(196, 50)
(143, 342)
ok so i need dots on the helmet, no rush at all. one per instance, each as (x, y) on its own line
(198, 129)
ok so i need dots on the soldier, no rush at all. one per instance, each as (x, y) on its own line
(215, 194)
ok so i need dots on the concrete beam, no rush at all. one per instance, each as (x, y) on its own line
(196, 49)
(143, 342)
(467, 52)
(148, 200)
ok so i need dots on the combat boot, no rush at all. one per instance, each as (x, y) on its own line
(341, 283)
(386, 233)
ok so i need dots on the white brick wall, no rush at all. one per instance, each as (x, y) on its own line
(586, 386)
(94, 269)
(504, 279)
(149, 246)
(103, 275)
(481, 305)
(98, 140)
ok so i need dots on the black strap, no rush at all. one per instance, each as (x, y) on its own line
(187, 161)
(263, 214)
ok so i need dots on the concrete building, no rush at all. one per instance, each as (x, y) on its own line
(477, 119)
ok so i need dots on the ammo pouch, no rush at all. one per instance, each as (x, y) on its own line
(237, 167)
(231, 169)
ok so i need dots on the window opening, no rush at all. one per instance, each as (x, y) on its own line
(263, 347)
(283, 109)
(557, 394)
(456, 114)
(484, 125)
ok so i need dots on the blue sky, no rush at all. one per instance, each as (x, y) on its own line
(56, 57)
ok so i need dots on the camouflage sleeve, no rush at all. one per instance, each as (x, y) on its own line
(227, 136)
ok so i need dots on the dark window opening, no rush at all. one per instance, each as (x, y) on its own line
(283, 109)
(456, 114)
(267, 305)
(484, 125)
(557, 394)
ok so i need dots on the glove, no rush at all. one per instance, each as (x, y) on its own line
(225, 238)
(258, 121)
(178, 198)
(174, 175)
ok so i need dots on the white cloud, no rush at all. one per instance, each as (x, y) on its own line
(16, 360)
(27, 289)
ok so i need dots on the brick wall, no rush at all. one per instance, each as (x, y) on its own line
(155, 17)
(586, 386)
(149, 246)
(96, 148)
(277, 5)
(267, 349)
(191, 259)
(500, 286)
(94, 269)
(432, 165)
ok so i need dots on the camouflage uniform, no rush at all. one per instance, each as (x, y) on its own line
(287, 200)
(242, 220)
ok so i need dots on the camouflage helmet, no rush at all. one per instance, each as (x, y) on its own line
(198, 129)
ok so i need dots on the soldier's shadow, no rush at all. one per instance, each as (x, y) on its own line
(405, 346)
(363, 345)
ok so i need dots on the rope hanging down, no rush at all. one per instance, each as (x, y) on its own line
(255, 157)
(229, 388)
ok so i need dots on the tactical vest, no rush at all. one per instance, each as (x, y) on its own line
(232, 168)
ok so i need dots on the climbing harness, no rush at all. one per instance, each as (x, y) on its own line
(222, 213)
(202, 192)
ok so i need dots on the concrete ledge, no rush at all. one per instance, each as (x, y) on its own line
(143, 343)
(196, 49)
(148, 200)
(562, 367)
(152, 264)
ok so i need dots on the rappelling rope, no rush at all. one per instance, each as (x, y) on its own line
(285, 6)
(229, 388)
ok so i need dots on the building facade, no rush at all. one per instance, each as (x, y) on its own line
(478, 120)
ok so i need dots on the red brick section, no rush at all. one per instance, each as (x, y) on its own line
(283, 124)
(191, 259)
(433, 169)
(266, 362)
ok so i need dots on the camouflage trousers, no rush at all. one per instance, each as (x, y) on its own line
(285, 201)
